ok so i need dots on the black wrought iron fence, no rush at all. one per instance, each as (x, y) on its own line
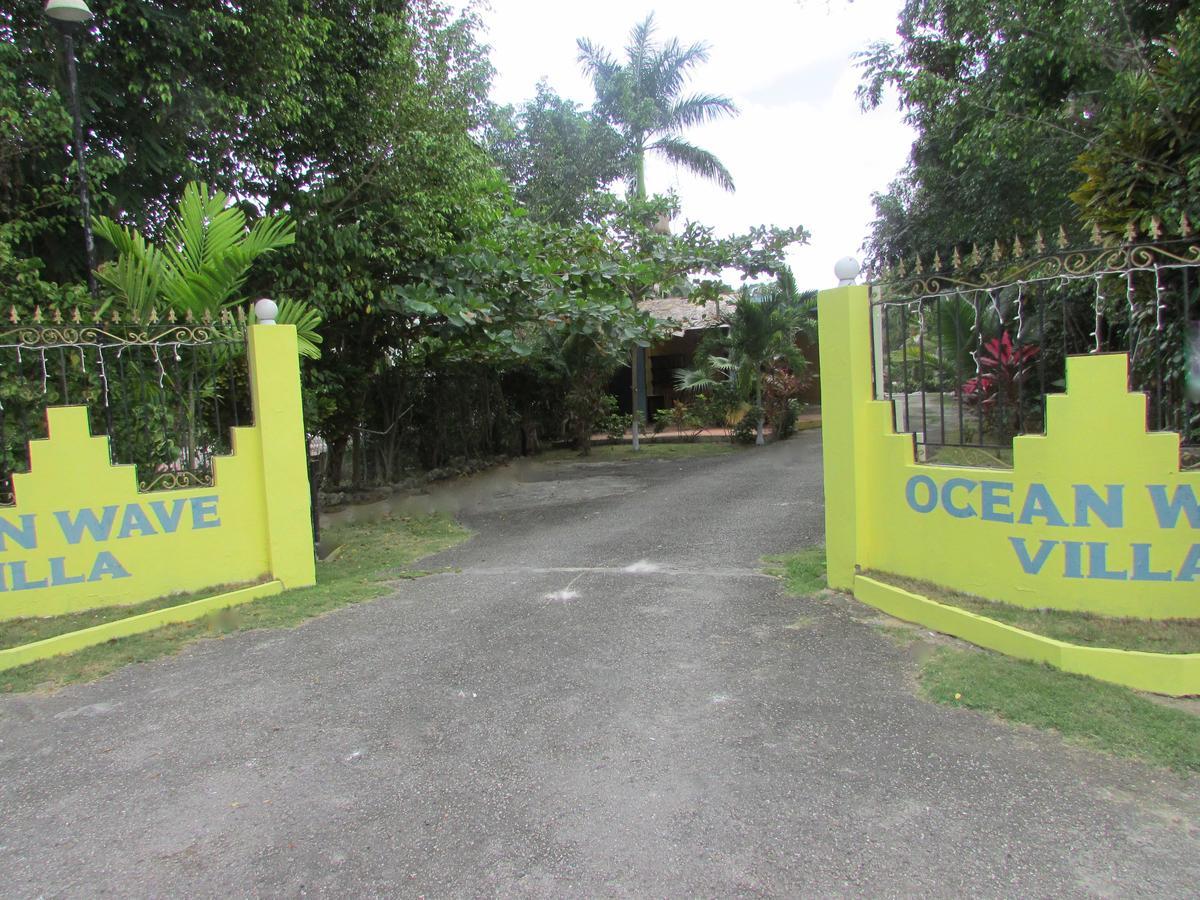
(969, 356)
(164, 390)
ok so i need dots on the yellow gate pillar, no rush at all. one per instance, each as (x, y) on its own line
(844, 329)
(279, 416)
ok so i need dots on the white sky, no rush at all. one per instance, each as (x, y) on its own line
(801, 152)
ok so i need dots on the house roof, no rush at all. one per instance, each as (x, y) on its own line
(688, 316)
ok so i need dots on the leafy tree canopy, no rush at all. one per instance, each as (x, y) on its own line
(555, 156)
(1012, 102)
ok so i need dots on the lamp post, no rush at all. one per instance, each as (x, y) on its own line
(68, 17)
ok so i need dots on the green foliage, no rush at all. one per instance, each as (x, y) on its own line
(202, 263)
(643, 98)
(803, 571)
(682, 417)
(610, 421)
(1011, 101)
(555, 156)
(1092, 713)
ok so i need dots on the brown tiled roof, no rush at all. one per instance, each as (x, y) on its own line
(688, 316)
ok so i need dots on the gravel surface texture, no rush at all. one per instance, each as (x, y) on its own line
(605, 699)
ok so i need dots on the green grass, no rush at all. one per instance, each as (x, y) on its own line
(372, 555)
(1097, 715)
(802, 571)
(15, 632)
(1087, 629)
(619, 452)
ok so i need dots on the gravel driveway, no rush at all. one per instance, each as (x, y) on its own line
(606, 698)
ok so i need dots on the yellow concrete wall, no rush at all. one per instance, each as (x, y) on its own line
(81, 535)
(1094, 516)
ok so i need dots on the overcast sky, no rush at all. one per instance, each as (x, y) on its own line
(801, 152)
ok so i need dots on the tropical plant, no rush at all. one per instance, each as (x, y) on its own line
(643, 98)
(997, 388)
(201, 265)
(762, 337)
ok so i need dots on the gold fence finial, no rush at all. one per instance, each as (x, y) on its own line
(1155, 227)
(57, 316)
(1131, 232)
(13, 316)
(956, 260)
(1063, 242)
(1097, 237)
(976, 256)
(76, 318)
(1185, 225)
(152, 318)
(1039, 244)
(37, 315)
(997, 251)
(917, 267)
(937, 261)
(1018, 249)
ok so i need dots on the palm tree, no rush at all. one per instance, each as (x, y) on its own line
(642, 98)
(762, 334)
(201, 265)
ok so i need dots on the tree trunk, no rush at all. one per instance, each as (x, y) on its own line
(758, 440)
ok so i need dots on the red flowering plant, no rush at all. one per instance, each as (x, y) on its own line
(997, 389)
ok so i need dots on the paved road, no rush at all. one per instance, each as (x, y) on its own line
(605, 700)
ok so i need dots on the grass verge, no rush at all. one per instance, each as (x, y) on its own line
(803, 571)
(618, 452)
(1097, 715)
(372, 555)
(1087, 629)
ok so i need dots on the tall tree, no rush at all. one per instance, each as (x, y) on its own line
(555, 155)
(643, 97)
(1010, 101)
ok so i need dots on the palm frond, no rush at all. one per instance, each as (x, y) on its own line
(698, 109)
(695, 159)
